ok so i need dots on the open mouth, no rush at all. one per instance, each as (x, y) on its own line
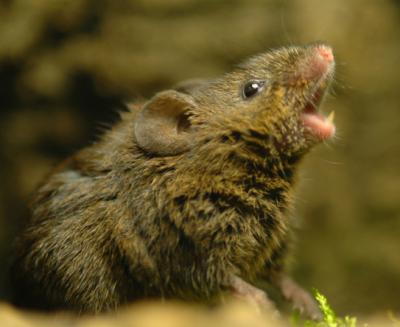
(319, 68)
(316, 123)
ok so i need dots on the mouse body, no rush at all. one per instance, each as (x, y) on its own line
(187, 197)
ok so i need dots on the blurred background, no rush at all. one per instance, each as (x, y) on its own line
(66, 65)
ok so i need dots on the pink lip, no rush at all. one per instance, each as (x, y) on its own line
(318, 125)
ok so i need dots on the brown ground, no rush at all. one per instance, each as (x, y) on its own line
(63, 67)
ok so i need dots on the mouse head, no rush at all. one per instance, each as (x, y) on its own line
(275, 95)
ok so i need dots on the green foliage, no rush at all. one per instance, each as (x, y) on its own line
(329, 317)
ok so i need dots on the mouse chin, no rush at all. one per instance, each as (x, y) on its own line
(311, 129)
(319, 126)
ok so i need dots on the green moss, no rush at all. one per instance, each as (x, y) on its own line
(329, 317)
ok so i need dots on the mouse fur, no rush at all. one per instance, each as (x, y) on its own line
(189, 196)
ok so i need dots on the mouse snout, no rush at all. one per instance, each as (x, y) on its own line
(318, 62)
(325, 52)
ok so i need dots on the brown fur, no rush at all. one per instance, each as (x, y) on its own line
(120, 221)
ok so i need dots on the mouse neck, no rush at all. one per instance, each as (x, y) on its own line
(260, 157)
(245, 160)
(258, 154)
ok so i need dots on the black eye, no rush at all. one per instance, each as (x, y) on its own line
(251, 88)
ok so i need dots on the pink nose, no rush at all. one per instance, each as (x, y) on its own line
(325, 52)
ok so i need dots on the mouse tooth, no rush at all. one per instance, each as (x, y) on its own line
(331, 116)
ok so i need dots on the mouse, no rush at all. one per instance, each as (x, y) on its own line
(189, 196)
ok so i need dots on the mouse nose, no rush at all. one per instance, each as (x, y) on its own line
(318, 60)
(325, 52)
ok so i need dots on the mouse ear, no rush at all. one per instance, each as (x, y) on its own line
(162, 127)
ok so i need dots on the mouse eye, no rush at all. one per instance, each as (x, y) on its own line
(251, 88)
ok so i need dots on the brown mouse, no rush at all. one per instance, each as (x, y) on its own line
(188, 197)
